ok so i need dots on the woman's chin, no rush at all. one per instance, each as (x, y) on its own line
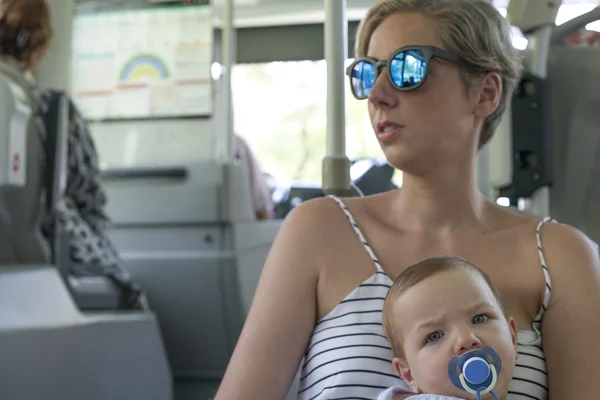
(398, 159)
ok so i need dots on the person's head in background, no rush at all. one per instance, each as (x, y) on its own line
(25, 31)
(444, 120)
(441, 308)
(260, 195)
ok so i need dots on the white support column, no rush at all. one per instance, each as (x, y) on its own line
(55, 69)
(336, 52)
(229, 52)
(336, 166)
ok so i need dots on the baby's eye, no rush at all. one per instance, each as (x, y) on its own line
(433, 337)
(480, 319)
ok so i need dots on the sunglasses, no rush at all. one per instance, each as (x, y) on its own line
(407, 68)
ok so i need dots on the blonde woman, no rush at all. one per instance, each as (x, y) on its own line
(436, 76)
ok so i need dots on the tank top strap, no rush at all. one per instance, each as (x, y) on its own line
(537, 323)
(358, 232)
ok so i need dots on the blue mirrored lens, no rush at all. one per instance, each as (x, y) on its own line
(408, 68)
(363, 78)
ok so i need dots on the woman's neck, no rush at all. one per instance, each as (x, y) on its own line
(442, 200)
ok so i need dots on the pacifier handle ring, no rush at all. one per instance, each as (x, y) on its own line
(494, 380)
(464, 384)
(486, 390)
(478, 394)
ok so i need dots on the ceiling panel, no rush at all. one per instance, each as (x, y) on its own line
(256, 13)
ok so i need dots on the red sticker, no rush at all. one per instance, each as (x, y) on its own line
(16, 162)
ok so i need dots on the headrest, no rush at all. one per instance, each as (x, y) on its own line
(15, 113)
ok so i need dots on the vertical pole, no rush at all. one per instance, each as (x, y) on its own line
(336, 33)
(55, 69)
(229, 50)
(336, 166)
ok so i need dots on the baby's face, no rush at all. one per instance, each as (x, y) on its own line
(448, 315)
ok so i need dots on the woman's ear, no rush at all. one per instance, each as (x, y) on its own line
(488, 95)
(513, 333)
(403, 370)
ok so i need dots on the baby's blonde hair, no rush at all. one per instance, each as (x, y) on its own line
(412, 276)
(472, 29)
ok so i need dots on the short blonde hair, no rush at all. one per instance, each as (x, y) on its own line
(412, 276)
(472, 29)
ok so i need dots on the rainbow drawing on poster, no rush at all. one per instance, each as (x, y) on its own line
(144, 67)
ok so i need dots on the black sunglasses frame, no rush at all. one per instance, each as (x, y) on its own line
(428, 52)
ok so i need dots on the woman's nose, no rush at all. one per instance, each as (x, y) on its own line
(382, 94)
(466, 341)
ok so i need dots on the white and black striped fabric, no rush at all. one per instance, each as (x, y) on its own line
(349, 356)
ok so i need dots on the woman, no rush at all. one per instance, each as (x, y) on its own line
(26, 32)
(321, 291)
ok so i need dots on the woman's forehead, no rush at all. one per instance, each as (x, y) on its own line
(399, 30)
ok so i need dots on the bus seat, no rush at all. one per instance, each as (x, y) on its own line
(22, 158)
(189, 236)
(90, 293)
(49, 348)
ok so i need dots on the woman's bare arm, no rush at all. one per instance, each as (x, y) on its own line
(283, 312)
(572, 321)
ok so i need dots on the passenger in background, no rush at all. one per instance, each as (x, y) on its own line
(26, 32)
(261, 195)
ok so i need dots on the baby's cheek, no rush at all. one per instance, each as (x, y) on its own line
(509, 359)
(433, 379)
(505, 377)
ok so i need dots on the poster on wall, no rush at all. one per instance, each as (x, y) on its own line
(143, 63)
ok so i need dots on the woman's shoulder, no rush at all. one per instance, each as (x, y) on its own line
(323, 225)
(313, 211)
(367, 207)
(566, 246)
(315, 219)
(569, 255)
(555, 237)
(46, 96)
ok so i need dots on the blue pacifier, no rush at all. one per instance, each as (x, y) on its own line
(476, 371)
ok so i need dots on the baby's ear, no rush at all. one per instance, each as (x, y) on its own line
(404, 372)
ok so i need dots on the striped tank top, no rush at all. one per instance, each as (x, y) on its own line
(349, 357)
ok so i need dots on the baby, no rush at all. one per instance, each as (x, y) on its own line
(437, 311)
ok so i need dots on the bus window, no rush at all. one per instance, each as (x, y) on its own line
(280, 109)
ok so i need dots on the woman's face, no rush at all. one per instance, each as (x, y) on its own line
(435, 123)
